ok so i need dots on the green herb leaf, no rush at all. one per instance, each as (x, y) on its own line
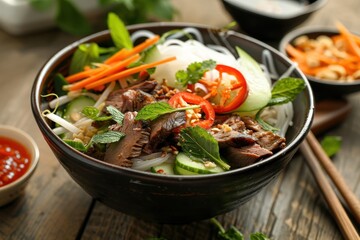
(77, 145)
(94, 114)
(194, 72)
(70, 19)
(197, 142)
(258, 236)
(117, 116)
(263, 124)
(41, 5)
(86, 54)
(331, 145)
(285, 90)
(59, 82)
(108, 137)
(119, 33)
(154, 110)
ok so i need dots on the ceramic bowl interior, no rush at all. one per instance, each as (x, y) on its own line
(270, 20)
(321, 87)
(14, 189)
(172, 199)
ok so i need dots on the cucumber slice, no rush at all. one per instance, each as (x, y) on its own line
(165, 169)
(180, 171)
(74, 108)
(183, 161)
(259, 87)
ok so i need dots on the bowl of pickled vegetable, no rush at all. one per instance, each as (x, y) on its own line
(171, 122)
(19, 157)
(329, 57)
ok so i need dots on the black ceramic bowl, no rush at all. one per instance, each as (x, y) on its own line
(321, 87)
(270, 20)
(172, 199)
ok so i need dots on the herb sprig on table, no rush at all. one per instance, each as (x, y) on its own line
(69, 18)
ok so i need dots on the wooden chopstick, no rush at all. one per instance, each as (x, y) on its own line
(349, 197)
(347, 228)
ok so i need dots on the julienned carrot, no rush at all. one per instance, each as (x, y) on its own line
(137, 49)
(128, 72)
(84, 74)
(354, 48)
(111, 70)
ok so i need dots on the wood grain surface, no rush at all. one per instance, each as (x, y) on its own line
(55, 207)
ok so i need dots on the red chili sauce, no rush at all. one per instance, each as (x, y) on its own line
(14, 160)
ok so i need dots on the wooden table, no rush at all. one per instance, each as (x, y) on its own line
(55, 207)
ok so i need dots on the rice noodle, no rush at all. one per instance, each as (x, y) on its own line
(188, 30)
(141, 34)
(146, 162)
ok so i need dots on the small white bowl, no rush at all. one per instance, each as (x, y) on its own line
(13, 190)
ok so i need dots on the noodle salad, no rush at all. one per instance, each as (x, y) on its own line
(171, 104)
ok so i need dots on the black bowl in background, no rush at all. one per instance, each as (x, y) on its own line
(266, 25)
(172, 199)
(321, 87)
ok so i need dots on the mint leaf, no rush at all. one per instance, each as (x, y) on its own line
(285, 90)
(94, 114)
(154, 110)
(86, 54)
(77, 145)
(194, 72)
(197, 142)
(331, 145)
(116, 115)
(258, 236)
(70, 19)
(108, 137)
(118, 32)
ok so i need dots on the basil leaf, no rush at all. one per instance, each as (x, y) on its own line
(86, 54)
(108, 137)
(118, 32)
(285, 90)
(70, 19)
(116, 115)
(331, 145)
(197, 142)
(194, 72)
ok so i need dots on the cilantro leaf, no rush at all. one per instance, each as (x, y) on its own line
(285, 90)
(118, 32)
(331, 144)
(199, 143)
(108, 137)
(194, 72)
(152, 111)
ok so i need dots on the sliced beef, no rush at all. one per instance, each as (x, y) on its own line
(265, 139)
(162, 128)
(136, 137)
(232, 132)
(244, 156)
(130, 100)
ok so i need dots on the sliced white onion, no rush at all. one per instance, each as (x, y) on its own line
(143, 165)
(201, 87)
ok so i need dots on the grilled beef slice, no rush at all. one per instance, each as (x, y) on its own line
(136, 137)
(242, 141)
(162, 128)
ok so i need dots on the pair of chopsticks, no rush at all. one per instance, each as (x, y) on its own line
(317, 160)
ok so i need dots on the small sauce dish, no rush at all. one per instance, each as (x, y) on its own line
(19, 157)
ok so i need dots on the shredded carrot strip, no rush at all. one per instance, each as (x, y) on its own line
(128, 72)
(113, 69)
(354, 48)
(124, 53)
(84, 74)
